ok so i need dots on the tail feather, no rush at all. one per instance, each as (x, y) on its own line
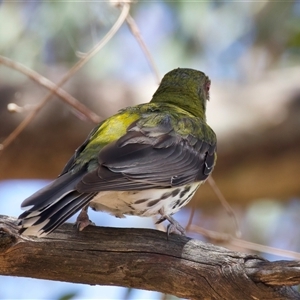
(53, 191)
(66, 213)
(56, 207)
(52, 205)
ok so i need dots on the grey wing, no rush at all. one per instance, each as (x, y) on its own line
(143, 160)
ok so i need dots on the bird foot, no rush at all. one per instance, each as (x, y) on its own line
(83, 220)
(174, 226)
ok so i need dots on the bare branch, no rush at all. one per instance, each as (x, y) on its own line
(276, 273)
(100, 45)
(70, 73)
(219, 237)
(225, 204)
(23, 124)
(145, 259)
(43, 81)
(135, 31)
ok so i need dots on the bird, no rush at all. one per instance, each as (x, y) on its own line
(146, 160)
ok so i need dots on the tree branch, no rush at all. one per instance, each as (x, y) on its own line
(145, 259)
(45, 82)
(124, 12)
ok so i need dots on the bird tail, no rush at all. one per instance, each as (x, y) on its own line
(52, 205)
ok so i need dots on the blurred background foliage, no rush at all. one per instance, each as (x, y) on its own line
(250, 50)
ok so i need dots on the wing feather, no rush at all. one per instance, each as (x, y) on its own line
(146, 159)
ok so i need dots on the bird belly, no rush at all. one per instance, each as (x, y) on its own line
(144, 203)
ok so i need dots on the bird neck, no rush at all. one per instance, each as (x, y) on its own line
(182, 99)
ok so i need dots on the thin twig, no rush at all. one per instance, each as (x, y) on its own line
(23, 125)
(135, 31)
(75, 68)
(100, 45)
(218, 237)
(52, 87)
(225, 204)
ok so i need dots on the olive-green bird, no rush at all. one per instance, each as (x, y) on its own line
(146, 160)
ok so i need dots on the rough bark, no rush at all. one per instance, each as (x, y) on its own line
(145, 259)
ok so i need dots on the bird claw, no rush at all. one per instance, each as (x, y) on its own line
(174, 226)
(80, 225)
(83, 220)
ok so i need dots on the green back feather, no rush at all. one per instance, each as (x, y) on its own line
(181, 98)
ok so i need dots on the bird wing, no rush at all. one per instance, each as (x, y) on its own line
(152, 157)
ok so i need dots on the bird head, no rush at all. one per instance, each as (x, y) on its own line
(185, 88)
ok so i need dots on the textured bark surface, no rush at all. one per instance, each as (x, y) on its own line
(145, 259)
